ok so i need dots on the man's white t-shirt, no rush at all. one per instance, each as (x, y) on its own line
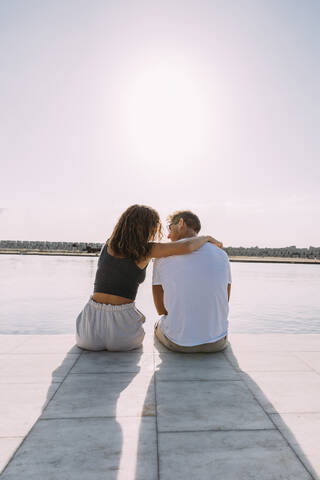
(195, 295)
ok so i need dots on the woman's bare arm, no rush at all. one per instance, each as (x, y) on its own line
(188, 245)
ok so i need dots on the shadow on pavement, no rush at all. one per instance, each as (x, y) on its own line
(211, 425)
(80, 433)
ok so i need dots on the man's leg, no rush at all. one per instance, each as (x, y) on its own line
(212, 347)
(163, 339)
(204, 348)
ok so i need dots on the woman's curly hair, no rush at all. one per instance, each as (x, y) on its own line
(136, 228)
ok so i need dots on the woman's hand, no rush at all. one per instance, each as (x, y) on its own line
(214, 241)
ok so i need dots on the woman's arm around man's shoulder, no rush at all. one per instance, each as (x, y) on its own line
(159, 250)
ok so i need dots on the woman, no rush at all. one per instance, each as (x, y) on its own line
(110, 320)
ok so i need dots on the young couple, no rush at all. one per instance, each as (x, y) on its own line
(191, 286)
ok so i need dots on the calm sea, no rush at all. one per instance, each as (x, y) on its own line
(43, 295)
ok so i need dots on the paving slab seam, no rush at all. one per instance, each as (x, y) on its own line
(276, 412)
(33, 426)
(307, 364)
(71, 367)
(124, 372)
(163, 380)
(302, 351)
(221, 430)
(50, 419)
(36, 354)
(30, 383)
(247, 372)
(315, 371)
(18, 447)
(64, 378)
(296, 354)
(19, 344)
(156, 415)
(295, 413)
(100, 417)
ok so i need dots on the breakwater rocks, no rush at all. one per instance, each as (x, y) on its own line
(236, 254)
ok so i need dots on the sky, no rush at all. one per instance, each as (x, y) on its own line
(211, 106)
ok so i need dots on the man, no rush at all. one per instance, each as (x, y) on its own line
(192, 292)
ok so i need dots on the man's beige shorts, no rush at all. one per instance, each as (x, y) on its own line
(204, 348)
(109, 327)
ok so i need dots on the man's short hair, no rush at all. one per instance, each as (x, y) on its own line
(189, 218)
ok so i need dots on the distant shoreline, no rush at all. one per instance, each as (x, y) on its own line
(242, 259)
(54, 253)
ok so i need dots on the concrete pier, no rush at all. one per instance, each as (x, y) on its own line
(250, 412)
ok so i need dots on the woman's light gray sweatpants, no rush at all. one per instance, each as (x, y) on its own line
(109, 327)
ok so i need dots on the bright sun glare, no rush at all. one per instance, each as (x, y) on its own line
(166, 115)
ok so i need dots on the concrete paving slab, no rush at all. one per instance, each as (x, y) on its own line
(7, 448)
(273, 342)
(302, 430)
(254, 455)
(103, 395)
(120, 391)
(198, 366)
(285, 392)
(260, 362)
(35, 368)
(210, 405)
(114, 362)
(9, 342)
(87, 449)
(312, 359)
(21, 405)
(50, 344)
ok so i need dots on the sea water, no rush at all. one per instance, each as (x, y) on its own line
(44, 294)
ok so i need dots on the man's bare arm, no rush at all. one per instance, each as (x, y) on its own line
(157, 291)
(229, 291)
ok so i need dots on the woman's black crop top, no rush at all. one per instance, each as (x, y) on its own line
(118, 276)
